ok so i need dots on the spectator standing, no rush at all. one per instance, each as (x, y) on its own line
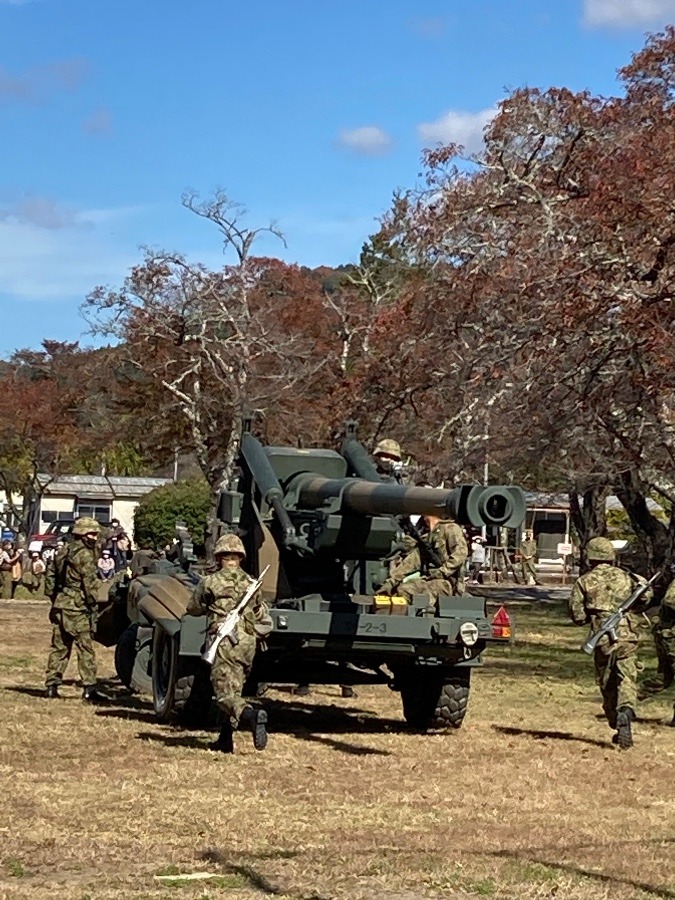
(10, 569)
(477, 560)
(34, 577)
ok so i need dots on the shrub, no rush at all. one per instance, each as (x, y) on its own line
(158, 511)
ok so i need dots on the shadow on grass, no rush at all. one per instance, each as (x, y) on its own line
(255, 879)
(539, 856)
(342, 746)
(553, 735)
(297, 718)
(179, 739)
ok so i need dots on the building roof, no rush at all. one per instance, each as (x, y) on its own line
(99, 487)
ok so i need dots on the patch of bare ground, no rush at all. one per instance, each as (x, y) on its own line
(528, 800)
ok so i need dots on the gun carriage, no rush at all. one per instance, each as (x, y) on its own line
(325, 523)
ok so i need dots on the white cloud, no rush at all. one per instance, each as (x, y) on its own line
(457, 127)
(39, 83)
(628, 13)
(51, 253)
(369, 140)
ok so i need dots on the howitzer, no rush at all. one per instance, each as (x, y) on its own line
(321, 525)
(227, 627)
(611, 623)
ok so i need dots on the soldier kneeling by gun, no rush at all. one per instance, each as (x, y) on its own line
(435, 564)
(216, 595)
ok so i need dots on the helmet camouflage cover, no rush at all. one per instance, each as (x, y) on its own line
(229, 543)
(601, 550)
(389, 447)
(86, 525)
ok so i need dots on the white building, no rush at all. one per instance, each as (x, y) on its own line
(101, 496)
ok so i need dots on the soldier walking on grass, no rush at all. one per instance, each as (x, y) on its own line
(528, 558)
(72, 585)
(595, 596)
(216, 595)
(664, 638)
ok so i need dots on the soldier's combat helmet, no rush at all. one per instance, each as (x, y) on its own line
(388, 447)
(86, 525)
(600, 549)
(229, 543)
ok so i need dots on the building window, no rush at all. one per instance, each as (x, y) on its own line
(100, 512)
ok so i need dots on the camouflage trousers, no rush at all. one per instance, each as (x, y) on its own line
(529, 571)
(71, 628)
(616, 670)
(434, 587)
(5, 585)
(229, 672)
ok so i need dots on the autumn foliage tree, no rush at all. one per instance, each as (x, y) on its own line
(545, 314)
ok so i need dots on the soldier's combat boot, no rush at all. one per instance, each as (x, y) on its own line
(224, 744)
(91, 694)
(52, 692)
(256, 720)
(624, 733)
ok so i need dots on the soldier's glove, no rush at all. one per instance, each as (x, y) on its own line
(388, 587)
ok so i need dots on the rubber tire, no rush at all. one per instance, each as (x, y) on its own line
(141, 676)
(181, 688)
(433, 701)
(164, 668)
(125, 654)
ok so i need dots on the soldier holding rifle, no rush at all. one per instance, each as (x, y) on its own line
(216, 595)
(597, 595)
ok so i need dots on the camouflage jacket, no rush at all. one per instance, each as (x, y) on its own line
(600, 592)
(667, 609)
(216, 595)
(72, 580)
(528, 550)
(448, 541)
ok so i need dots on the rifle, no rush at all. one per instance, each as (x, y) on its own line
(612, 622)
(428, 556)
(231, 620)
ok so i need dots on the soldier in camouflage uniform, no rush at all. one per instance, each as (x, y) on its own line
(215, 596)
(387, 456)
(415, 575)
(595, 596)
(73, 585)
(664, 638)
(528, 558)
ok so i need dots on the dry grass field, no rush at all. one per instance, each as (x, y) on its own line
(528, 800)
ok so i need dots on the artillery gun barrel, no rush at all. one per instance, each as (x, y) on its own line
(370, 498)
(467, 504)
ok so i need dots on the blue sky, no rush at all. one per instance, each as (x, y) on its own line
(309, 112)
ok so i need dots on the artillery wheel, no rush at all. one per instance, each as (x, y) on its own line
(132, 659)
(434, 700)
(125, 654)
(164, 670)
(181, 688)
(141, 677)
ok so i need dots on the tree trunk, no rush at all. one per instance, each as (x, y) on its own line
(656, 538)
(219, 478)
(588, 517)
